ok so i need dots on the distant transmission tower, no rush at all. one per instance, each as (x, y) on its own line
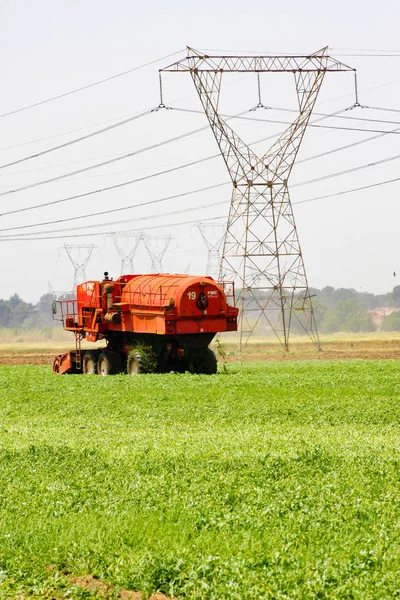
(156, 254)
(207, 231)
(126, 256)
(80, 262)
(261, 248)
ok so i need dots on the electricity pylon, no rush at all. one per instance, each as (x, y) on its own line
(126, 256)
(79, 263)
(207, 231)
(156, 254)
(261, 248)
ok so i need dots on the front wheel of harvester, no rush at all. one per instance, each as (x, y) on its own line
(134, 364)
(208, 363)
(89, 362)
(109, 363)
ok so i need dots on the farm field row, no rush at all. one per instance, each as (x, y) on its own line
(34, 350)
(268, 480)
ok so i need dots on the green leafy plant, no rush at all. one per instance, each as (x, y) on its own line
(280, 480)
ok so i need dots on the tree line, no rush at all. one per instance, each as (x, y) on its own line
(346, 309)
(16, 313)
(341, 309)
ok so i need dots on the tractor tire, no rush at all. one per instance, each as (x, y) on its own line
(207, 363)
(134, 363)
(109, 363)
(89, 362)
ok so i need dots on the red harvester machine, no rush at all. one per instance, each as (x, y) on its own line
(151, 323)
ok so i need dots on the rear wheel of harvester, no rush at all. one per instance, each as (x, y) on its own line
(109, 363)
(207, 363)
(134, 364)
(89, 362)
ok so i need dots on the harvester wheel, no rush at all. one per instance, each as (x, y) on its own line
(134, 364)
(89, 362)
(208, 363)
(109, 363)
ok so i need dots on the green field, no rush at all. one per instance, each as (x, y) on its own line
(268, 480)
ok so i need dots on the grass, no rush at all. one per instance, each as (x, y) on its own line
(273, 480)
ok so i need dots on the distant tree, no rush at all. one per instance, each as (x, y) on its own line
(342, 294)
(348, 315)
(354, 316)
(396, 295)
(296, 325)
(319, 312)
(391, 322)
(384, 299)
(331, 323)
(14, 312)
(43, 310)
(326, 296)
(5, 313)
(368, 300)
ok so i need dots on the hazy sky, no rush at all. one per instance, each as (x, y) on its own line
(51, 47)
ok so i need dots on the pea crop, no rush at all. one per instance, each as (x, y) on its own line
(267, 480)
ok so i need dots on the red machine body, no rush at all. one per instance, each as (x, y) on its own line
(176, 316)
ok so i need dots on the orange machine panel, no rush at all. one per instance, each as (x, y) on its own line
(190, 296)
(173, 304)
(88, 294)
(160, 304)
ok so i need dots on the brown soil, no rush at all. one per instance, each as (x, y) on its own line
(101, 589)
(328, 352)
(26, 359)
(333, 348)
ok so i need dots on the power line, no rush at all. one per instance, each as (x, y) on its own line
(346, 147)
(113, 210)
(104, 163)
(396, 110)
(242, 117)
(73, 162)
(110, 187)
(370, 55)
(239, 116)
(195, 111)
(23, 237)
(88, 86)
(147, 203)
(159, 144)
(347, 171)
(15, 239)
(364, 187)
(51, 137)
(353, 52)
(186, 165)
(76, 140)
(314, 123)
(335, 115)
(88, 126)
(98, 165)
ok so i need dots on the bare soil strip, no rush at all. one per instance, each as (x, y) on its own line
(368, 348)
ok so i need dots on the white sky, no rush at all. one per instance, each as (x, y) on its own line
(51, 47)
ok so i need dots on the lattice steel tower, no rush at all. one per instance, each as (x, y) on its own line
(126, 251)
(80, 262)
(207, 231)
(156, 252)
(261, 250)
